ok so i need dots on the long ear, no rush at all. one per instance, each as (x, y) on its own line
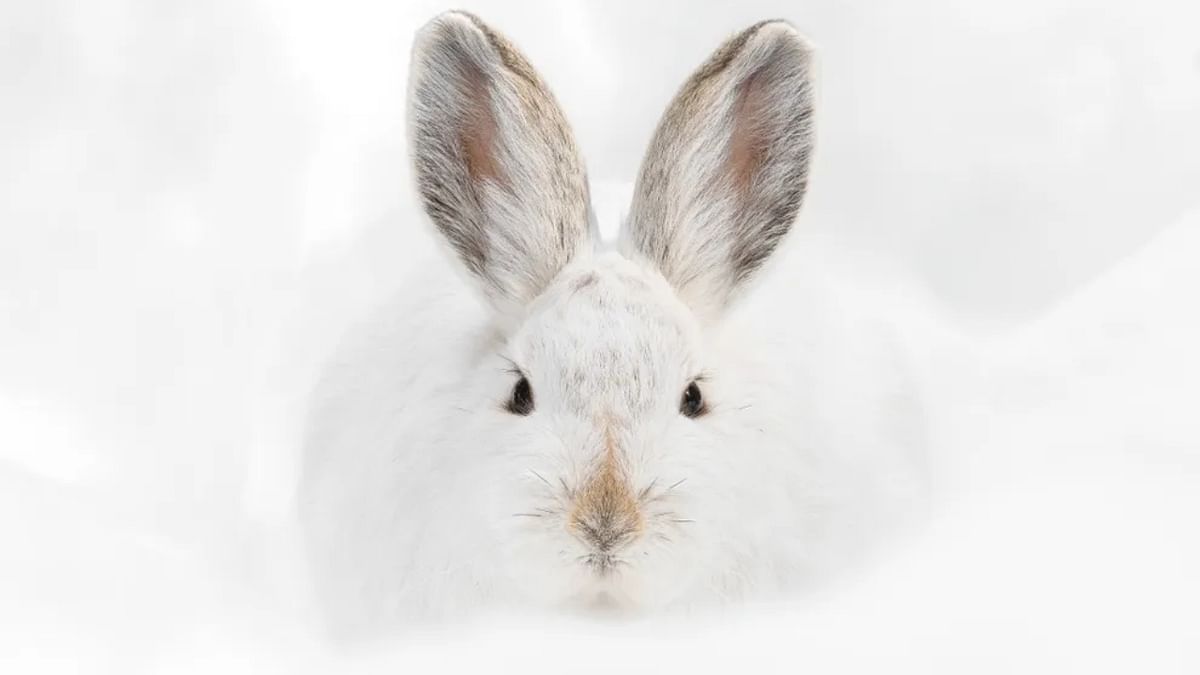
(496, 164)
(727, 167)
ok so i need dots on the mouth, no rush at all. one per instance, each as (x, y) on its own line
(601, 564)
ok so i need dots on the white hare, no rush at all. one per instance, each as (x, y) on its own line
(624, 424)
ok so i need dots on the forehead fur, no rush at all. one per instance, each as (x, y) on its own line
(608, 332)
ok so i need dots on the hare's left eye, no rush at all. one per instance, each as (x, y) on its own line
(692, 404)
(521, 401)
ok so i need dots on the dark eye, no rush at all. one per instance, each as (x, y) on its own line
(692, 404)
(521, 402)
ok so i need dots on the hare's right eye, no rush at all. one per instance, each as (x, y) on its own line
(692, 403)
(521, 401)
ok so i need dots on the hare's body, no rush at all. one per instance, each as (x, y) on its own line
(598, 424)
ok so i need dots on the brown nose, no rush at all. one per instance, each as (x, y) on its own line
(606, 513)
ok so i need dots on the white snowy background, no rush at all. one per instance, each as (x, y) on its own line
(196, 198)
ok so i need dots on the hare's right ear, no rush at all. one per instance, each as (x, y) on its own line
(496, 164)
(727, 167)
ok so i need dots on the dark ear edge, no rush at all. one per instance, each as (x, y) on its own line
(727, 168)
(496, 164)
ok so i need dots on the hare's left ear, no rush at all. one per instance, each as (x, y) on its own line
(495, 161)
(727, 167)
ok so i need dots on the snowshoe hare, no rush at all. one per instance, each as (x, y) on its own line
(562, 422)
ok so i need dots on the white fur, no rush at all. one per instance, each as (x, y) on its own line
(423, 496)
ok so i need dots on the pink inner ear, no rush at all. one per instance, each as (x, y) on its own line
(747, 144)
(478, 134)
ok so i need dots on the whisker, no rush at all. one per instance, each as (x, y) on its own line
(541, 478)
(527, 515)
(647, 497)
(646, 490)
(682, 520)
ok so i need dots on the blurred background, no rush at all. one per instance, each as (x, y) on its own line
(196, 198)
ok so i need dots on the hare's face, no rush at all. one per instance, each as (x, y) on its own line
(606, 435)
(604, 416)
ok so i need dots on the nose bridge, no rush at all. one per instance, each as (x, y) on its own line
(606, 510)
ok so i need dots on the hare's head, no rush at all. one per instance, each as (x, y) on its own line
(609, 449)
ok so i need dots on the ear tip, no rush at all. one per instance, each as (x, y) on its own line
(452, 18)
(782, 31)
(452, 25)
